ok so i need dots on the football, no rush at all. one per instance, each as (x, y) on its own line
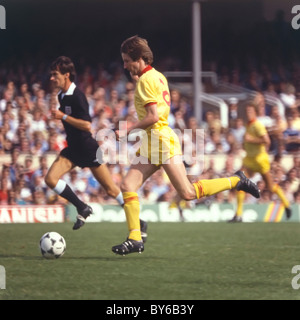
(52, 245)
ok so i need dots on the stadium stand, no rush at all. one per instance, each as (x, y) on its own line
(30, 140)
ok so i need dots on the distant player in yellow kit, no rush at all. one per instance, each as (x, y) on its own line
(160, 145)
(256, 142)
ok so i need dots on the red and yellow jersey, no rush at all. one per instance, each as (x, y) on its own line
(159, 143)
(152, 88)
(257, 130)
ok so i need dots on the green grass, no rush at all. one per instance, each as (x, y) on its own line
(181, 262)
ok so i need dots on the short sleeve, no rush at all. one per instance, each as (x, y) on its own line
(261, 130)
(147, 91)
(82, 107)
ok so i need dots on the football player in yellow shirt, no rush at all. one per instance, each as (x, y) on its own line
(256, 142)
(160, 145)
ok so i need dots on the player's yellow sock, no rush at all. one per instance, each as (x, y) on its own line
(210, 187)
(132, 211)
(276, 189)
(240, 201)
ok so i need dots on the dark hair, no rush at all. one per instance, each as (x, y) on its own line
(63, 65)
(137, 48)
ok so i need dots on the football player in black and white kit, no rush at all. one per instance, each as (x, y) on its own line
(82, 147)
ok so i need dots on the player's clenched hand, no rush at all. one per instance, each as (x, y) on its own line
(120, 134)
(56, 114)
(247, 137)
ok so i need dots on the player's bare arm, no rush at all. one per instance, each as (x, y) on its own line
(257, 140)
(150, 119)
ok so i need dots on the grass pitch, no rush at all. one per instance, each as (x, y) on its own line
(181, 261)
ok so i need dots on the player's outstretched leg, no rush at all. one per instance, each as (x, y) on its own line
(247, 185)
(82, 215)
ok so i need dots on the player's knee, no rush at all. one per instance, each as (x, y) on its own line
(126, 187)
(50, 182)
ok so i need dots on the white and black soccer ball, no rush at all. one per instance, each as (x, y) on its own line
(52, 245)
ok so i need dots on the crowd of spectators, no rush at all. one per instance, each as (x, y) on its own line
(26, 98)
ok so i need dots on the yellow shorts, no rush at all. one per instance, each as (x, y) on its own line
(159, 145)
(259, 163)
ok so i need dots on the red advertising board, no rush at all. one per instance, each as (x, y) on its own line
(32, 214)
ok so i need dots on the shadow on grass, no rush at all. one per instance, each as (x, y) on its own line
(100, 258)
